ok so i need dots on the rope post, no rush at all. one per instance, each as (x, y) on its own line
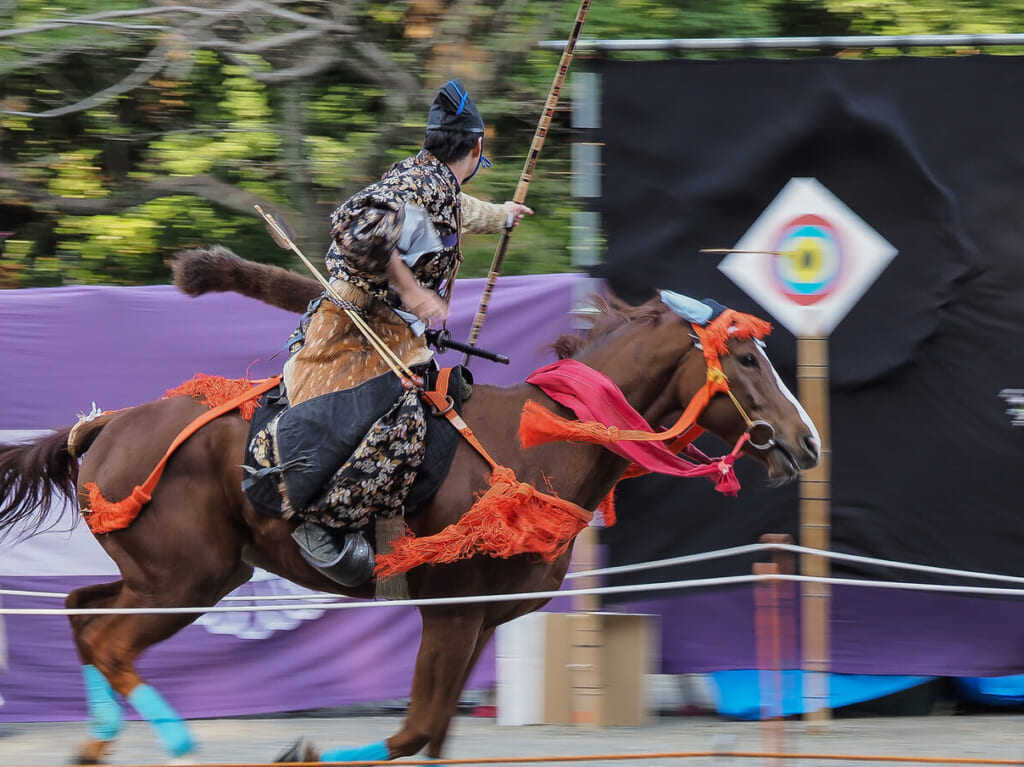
(528, 167)
(768, 639)
(786, 562)
(815, 533)
(586, 638)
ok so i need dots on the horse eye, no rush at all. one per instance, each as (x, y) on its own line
(748, 361)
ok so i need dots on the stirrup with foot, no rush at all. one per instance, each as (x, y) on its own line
(348, 561)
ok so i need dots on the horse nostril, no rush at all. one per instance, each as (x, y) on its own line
(810, 445)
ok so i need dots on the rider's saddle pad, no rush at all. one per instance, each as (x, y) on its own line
(346, 457)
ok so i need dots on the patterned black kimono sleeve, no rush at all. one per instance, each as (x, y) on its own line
(364, 232)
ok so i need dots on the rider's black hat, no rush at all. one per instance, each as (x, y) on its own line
(453, 109)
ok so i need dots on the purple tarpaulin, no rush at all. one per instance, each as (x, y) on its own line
(64, 348)
(874, 631)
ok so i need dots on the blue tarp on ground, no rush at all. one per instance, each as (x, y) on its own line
(752, 694)
(992, 691)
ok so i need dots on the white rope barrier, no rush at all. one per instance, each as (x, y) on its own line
(482, 598)
(326, 601)
(314, 597)
(432, 602)
(790, 547)
(752, 548)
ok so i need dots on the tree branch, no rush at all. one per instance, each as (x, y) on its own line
(311, 28)
(153, 63)
(321, 59)
(49, 26)
(209, 188)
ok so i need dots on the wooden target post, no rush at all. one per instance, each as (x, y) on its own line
(815, 528)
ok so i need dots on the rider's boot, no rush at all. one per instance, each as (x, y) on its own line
(345, 558)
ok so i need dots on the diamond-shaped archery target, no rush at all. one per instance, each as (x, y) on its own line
(808, 258)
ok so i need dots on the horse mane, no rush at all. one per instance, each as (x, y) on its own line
(606, 315)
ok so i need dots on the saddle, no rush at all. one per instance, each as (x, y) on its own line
(345, 458)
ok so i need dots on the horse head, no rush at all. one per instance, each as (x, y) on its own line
(750, 396)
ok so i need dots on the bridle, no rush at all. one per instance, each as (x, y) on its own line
(712, 340)
(754, 427)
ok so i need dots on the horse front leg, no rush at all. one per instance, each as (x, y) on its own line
(436, 744)
(448, 648)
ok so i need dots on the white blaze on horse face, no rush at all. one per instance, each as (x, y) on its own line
(789, 395)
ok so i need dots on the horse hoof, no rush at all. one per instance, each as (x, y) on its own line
(92, 752)
(299, 751)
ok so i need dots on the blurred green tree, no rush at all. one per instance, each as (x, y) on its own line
(130, 130)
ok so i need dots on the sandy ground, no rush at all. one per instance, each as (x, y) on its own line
(259, 740)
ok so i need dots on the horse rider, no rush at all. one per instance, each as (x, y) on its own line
(393, 258)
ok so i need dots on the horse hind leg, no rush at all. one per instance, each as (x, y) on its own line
(105, 713)
(111, 643)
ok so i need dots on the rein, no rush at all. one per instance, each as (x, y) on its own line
(443, 404)
(574, 385)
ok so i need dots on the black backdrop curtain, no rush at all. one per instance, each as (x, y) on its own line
(927, 466)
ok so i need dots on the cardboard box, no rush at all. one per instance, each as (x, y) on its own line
(588, 669)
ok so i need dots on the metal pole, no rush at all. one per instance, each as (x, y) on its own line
(792, 43)
(531, 162)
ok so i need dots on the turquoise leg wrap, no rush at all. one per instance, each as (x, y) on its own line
(169, 726)
(371, 753)
(105, 716)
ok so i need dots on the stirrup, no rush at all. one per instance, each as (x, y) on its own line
(299, 751)
(349, 563)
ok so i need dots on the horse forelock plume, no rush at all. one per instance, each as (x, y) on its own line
(732, 324)
(606, 315)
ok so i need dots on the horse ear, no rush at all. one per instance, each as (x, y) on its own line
(690, 309)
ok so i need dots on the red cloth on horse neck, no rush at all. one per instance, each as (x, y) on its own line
(593, 396)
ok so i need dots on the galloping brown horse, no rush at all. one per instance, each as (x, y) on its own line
(199, 537)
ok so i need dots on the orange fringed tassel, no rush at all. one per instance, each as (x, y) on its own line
(635, 470)
(511, 518)
(539, 425)
(216, 390)
(729, 324)
(106, 516)
(607, 509)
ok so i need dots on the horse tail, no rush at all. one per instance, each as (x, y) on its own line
(33, 476)
(84, 433)
(217, 270)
